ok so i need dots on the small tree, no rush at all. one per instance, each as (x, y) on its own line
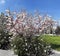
(26, 30)
(4, 35)
(57, 31)
(49, 24)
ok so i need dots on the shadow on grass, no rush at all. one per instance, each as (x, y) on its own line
(54, 46)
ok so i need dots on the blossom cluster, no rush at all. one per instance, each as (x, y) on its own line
(28, 24)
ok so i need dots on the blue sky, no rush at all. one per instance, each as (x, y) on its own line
(51, 7)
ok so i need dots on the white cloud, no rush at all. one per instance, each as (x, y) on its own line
(2, 1)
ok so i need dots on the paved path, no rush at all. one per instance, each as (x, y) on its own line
(11, 53)
(56, 53)
(7, 53)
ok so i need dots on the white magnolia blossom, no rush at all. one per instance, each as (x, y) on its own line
(28, 24)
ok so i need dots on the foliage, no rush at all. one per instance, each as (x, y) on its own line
(4, 34)
(26, 29)
(57, 31)
(30, 46)
(4, 40)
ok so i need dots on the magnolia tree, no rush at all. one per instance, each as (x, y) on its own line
(26, 29)
(49, 24)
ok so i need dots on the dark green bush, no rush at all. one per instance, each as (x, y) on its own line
(26, 46)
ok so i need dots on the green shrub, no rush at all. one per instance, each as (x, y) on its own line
(30, 46)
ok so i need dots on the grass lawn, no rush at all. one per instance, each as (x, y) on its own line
(54, 41)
